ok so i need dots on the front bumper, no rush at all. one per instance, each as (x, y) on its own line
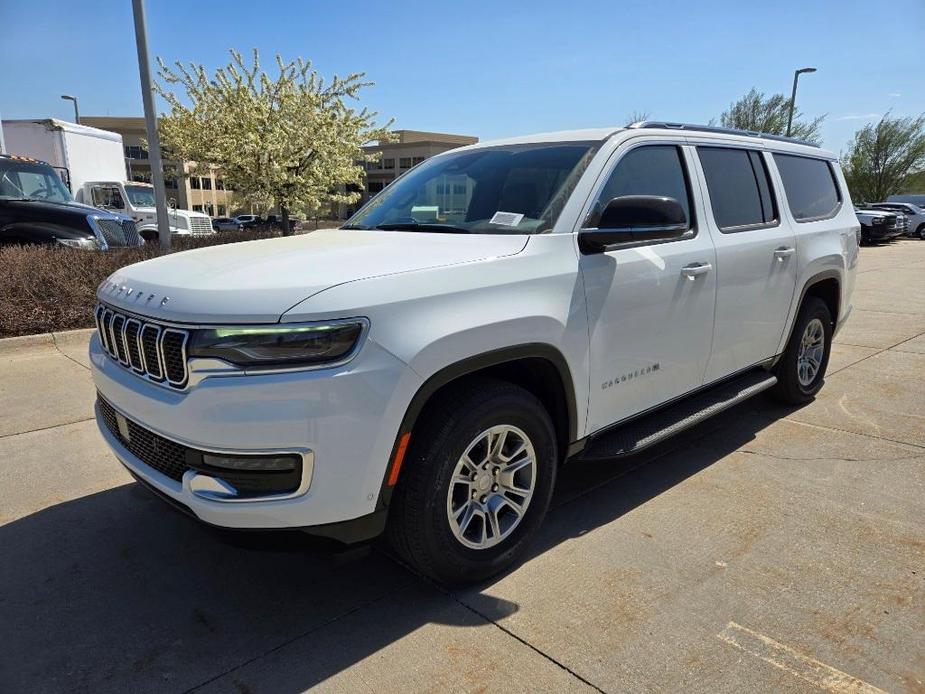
(346, 417)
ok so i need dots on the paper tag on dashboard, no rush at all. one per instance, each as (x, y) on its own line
(507, 219)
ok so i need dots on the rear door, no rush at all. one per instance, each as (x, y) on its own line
(756, 261)
(650, 304)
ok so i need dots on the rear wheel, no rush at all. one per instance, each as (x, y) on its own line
(476, 484)
(920, 232)
(801, 369)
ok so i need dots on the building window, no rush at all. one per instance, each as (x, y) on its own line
(417, 160)
(375, 187)
(459, 188)
(219, 184)
(170, 183)
(404, 162)
(206, 183)
(221, 210)
(197, 208)
(373, 165)
(194, 182)
(136, 152)
(209, 210)
(388, 163)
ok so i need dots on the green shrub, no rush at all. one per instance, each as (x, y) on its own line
(50, 288)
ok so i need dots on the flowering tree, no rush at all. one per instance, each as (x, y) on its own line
(291, 140)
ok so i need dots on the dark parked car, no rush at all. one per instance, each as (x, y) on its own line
(275, 221)
(225, 224)
(879, 225)
(914, 214)
(37, 208)
(248, 221)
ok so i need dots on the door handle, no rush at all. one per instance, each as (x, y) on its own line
(694, 270)
(783, 252)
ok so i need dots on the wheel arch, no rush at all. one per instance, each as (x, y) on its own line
(538, 367)
(826, 285)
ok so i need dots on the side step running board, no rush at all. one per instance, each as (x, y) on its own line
(648, 430)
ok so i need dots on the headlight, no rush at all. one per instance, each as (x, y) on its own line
(877, 220)
(83, 244)
(280, 345)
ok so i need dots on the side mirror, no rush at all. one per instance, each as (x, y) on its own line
(633, 218)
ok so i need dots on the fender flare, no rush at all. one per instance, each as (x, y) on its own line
(831, 273)
(473, 364)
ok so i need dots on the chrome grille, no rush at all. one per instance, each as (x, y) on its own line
(156, 352)
(200, 225)
(118, 234)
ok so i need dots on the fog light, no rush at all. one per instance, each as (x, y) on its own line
(257, 463)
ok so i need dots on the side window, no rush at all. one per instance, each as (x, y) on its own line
(740, 191)
(649, 170)
(96, 193)
(810, 186)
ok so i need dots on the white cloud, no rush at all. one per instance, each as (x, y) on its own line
(859, 116)
(895, 95)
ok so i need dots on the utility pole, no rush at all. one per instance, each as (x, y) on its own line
(154, 141)
(2, 142)
(793, 95)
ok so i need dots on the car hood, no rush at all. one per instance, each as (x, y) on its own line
(258, 281)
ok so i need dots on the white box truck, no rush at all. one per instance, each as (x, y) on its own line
(87, 154)
(91, 161)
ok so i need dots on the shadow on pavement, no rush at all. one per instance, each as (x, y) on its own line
(117, 592)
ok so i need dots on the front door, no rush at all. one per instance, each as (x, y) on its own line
(650, 305)
(755, 258)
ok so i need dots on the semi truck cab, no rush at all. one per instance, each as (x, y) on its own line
(136, 200)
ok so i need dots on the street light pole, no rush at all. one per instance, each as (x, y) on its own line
(154, 142)
(793, 94)
(68, 97)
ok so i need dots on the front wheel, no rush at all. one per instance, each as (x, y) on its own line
(477, 482)
(801, 369)
(920, 232)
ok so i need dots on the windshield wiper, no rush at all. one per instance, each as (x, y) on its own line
(419, 226)
(357, 227)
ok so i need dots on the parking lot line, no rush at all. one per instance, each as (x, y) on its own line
(799, 665)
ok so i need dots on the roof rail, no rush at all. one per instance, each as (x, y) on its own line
(716, 129)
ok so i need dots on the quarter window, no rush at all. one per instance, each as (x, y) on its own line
(740, 190)
(648, 170)
(810, 186)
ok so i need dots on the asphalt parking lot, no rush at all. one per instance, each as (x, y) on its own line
(770, 549)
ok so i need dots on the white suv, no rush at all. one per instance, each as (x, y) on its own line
(497, 311)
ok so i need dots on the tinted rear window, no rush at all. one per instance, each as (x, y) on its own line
(740, 193)
(810, 186)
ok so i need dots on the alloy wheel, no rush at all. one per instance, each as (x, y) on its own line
(812, 350)
(491, 487)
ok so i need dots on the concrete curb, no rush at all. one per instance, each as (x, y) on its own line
(25, 343)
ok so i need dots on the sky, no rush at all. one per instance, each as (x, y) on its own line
(493, 69)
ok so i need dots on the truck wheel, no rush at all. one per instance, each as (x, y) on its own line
(476, 484)
(801, 369)
(920, 232)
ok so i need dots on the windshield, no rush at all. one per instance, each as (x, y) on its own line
(23, 180)
(140, 196)
(518, 189)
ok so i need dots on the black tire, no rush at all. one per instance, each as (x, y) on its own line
(789, 389)
(920, 232)
(419, 528)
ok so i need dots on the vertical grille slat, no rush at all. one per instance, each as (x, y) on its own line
(132, 331)
(155, 352)
(118, 323)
